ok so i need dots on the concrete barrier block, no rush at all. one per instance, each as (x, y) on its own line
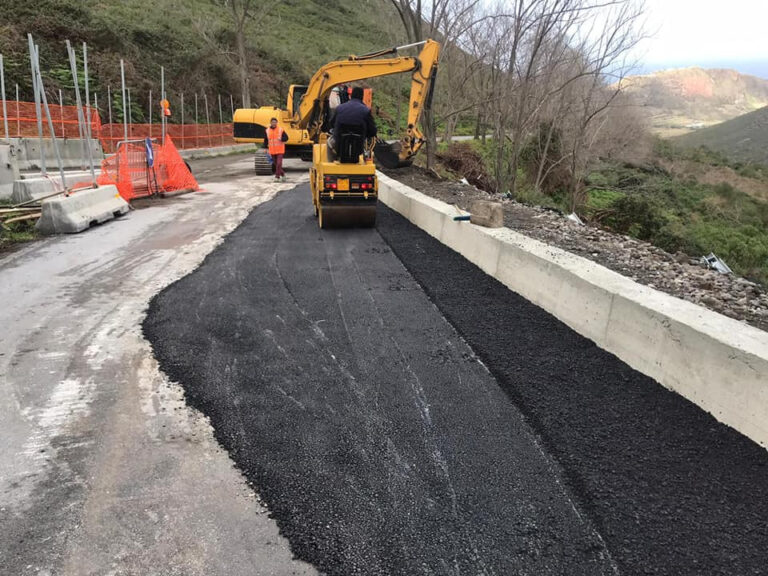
(80, 210)
(72, 153)
(485, 213)
(714, 361)
(37, 187)
(9, 170)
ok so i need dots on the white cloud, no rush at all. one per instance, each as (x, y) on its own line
(697, 31)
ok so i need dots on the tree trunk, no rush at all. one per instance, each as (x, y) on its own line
(450, 128)
(243, 67)
(428, 121)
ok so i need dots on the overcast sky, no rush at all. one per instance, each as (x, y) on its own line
(707, 32)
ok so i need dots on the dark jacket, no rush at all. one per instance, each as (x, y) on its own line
(354, 113)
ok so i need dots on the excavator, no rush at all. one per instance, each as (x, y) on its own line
(344, 184)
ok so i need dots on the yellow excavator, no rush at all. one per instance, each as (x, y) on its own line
(344, 184)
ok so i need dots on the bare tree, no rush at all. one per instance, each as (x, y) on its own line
(549, 64)
(443, 20)
(243, 13)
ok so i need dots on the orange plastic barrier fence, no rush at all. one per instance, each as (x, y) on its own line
(185, 135)
(128, 169)
(22, 120)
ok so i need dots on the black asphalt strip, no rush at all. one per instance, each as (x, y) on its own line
(382, 445)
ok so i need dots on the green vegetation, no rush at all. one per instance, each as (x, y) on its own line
(684, 214)
(677, 214)
(16, 232)
(193, 40)
(744, 138)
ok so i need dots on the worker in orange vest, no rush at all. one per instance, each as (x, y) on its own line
(275, 140)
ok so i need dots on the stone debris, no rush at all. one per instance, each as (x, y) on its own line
(488, 214)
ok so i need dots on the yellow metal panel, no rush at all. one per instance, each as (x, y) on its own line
(343, 184)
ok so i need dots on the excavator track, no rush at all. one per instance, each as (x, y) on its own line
(261, 163)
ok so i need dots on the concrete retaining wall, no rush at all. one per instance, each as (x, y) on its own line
(714, 361)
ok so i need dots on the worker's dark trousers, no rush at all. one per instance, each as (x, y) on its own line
(278, 159)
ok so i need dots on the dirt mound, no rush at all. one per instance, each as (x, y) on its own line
(462, 159)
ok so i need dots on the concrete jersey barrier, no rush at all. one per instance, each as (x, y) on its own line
(716, 362)
(70, 150)
(81, 209)
(36, 187)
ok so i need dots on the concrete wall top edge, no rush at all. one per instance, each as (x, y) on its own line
(732, 332)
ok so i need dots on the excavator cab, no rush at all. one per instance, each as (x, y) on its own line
(295, 94)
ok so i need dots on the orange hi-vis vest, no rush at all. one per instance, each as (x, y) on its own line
(274, 139)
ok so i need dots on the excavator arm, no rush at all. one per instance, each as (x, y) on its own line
(423, 70)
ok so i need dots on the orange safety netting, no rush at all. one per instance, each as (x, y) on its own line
(22, 120)
(186, 135)
(128, 169)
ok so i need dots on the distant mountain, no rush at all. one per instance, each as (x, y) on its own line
(681, 100)
(743, 138)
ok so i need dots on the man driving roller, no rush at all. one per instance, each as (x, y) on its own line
(353, 116)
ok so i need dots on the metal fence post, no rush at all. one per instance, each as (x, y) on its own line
(162, 97)
(182, 120)
(39, 80)
(221, 121)
(80, 116)
(36, 90)
(125, 116)
(87, 96)
(18, 113)
(61, 115)
(207, 119)
(130, 114)
(150, 114)
(232, 107)
(5, 109)
(197, 126)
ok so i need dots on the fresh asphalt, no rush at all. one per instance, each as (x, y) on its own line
(400, 412)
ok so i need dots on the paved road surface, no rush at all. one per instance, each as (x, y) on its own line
(103, 468)
(365, 421)
(382, 445)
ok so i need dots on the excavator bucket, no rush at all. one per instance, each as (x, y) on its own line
(347, 216)
(388, 155)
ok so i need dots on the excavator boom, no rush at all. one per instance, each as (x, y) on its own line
(423, 68)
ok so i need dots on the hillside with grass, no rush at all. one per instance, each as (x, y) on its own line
(744, 138)
(679, 101)
(194, 40)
